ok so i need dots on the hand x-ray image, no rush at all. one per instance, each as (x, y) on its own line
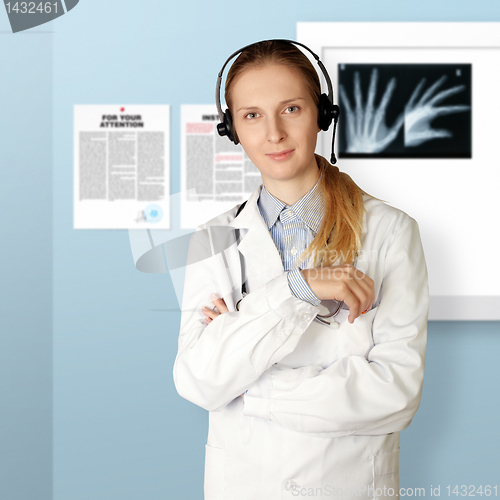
(405, 110)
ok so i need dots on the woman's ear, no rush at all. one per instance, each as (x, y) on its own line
(319, 128)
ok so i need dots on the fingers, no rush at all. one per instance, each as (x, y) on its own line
(444, 94)
(439, 133)
(371, 98)
(428, 93)
(359, 296)
(367, 294)
(387, 95)
(353, 302)
(358, 292)
(417, 138)
(211, 314)
(348, 284)
(345, 100)
(351, 130)
(379, 116)
(447, 110)
(414, 96)
(359, 102)
(219, 303)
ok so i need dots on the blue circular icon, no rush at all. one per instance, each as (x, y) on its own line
(153, 213)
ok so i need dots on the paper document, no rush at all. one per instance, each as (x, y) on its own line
(219, 171)
(121, 166)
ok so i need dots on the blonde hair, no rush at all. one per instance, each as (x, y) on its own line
(339, 236)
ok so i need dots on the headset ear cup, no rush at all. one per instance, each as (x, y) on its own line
(325, 112)
(225, 128)
(231, 133)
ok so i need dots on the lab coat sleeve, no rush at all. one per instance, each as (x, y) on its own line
(218, 362)
(364, 395)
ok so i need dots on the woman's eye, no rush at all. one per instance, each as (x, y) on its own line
(250, 116)
(292, 109)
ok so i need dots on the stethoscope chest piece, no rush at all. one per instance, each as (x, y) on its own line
(334, 307)
(238, 303)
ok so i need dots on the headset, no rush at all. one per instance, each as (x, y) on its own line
(327, 110)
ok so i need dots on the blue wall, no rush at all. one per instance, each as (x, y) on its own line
(88, 409)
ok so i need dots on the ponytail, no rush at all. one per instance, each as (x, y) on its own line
(339, 237)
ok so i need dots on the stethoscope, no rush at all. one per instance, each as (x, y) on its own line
(320, 318)
(334, 306)
(337, 306)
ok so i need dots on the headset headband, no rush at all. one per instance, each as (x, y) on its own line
(327, 110)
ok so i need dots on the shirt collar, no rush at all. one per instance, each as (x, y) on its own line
(310, 208)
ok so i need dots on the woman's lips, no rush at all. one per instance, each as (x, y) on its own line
(281, 155)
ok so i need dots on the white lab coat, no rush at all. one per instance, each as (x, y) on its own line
(324, 405)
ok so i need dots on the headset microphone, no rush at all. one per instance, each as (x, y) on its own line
(333, 159)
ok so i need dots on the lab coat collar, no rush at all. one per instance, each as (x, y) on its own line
(246, 216)
(262, 259)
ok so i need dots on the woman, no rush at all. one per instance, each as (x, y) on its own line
(297, 407)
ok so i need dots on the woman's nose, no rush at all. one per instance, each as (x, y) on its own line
(276, 132)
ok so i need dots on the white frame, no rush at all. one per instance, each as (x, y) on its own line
(457, 214)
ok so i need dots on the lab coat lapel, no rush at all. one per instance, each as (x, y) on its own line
(261, 257)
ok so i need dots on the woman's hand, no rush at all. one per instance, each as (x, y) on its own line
(343, 283)
(210, 313)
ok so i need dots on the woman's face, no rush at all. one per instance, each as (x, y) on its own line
(276, 120)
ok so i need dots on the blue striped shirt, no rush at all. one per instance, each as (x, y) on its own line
(292, 229)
